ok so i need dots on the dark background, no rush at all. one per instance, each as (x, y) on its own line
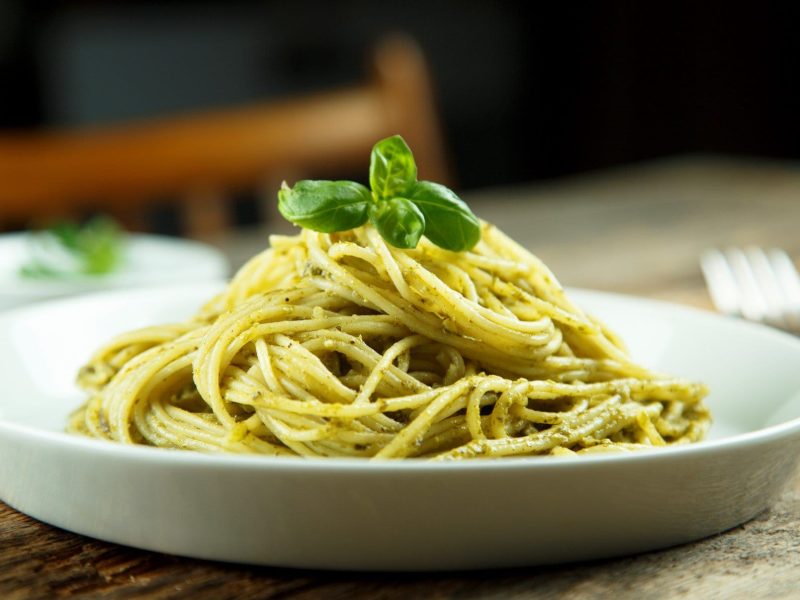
(526, 90)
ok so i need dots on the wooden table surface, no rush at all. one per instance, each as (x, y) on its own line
(634, 230)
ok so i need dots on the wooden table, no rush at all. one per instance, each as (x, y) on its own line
(635, 230)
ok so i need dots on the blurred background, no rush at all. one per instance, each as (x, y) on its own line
(523, 91)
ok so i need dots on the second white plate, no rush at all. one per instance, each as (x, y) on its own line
(147, 260)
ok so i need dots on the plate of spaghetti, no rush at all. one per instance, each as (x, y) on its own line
(359, 396)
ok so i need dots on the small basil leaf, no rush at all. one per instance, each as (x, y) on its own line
(398, 221)
(325, 206)
(449, 223)
(67, 233)
(392, 170)
(99, 243)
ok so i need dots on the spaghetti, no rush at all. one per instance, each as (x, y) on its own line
(341, 345)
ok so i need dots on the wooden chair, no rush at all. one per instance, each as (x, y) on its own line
(125, 170)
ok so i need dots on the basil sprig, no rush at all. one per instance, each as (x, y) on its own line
(68, 248)
(401, 208)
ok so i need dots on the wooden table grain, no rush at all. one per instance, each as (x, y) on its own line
(636, 230)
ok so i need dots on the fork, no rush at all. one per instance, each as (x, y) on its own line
(756, 284)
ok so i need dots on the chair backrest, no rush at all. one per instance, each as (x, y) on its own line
(123, 170)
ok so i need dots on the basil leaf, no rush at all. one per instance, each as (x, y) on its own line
(67, 233)
(398, 221)
(392, 170)
(449, 223)
(99, 245)
(325, 206)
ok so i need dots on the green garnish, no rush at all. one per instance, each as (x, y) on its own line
(67, 248)
(401, 208)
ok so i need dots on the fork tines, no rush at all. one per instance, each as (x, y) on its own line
(755, 284)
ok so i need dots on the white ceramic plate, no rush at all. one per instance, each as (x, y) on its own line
(412, 515)
(147, 260)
